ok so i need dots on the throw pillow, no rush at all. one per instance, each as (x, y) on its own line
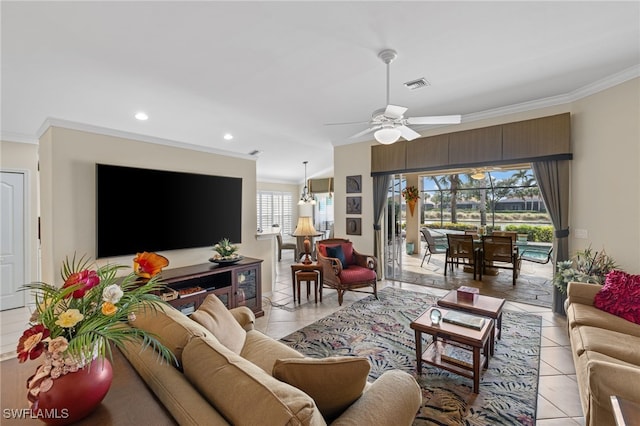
(172, 328)
(215, 317)
(336, 251)
(620, 296)
(334, 383)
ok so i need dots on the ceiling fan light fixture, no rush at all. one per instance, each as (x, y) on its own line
(387, 135)
(478, 175)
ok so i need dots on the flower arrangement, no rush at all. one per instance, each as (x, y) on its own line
(75, 324)
(410, 193)
(148, 265)
(586, 266)
(225, 250)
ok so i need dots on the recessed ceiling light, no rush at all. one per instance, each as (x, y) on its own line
(228, 136)
(141, 116)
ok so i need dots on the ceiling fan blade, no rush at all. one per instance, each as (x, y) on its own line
(364, 132)
(408, 133)
(394, 111)
(346, 123)
(435, 119)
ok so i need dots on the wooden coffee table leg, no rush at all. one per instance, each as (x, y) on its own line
(476, 369)
(499, 326)
(418, 351)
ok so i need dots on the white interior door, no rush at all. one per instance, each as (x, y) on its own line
(12, 236)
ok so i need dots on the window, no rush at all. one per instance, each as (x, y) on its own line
(323, 211)
(275, 208)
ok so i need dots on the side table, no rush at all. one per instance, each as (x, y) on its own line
(301, 272)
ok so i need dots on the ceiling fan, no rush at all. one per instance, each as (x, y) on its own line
(389, 124)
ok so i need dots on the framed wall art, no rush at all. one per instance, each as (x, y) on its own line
(354, 184)
(354, 205)
(354, 226)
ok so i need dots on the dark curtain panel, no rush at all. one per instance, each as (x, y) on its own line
(380, 190)
(553, 179)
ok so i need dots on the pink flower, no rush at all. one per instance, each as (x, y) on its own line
(86, 279)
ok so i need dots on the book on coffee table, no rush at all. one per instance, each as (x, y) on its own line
(465, 320)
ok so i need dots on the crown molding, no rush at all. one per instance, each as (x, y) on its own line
(18, 138)
(582, 92)
(56, 122)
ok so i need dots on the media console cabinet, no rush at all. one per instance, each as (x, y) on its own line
(235, 285)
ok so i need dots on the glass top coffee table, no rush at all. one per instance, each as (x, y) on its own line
(485, 306)
(463, 338)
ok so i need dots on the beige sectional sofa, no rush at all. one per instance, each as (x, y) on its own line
(230, 373)
(606, 352)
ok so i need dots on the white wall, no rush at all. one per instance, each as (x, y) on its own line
(67, 166)
(605, 198)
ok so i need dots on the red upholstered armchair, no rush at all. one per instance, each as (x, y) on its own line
(343, 268)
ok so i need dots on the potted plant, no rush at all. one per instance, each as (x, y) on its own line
(586, 266)
(74, 327)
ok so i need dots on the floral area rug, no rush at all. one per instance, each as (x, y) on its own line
(379, 330)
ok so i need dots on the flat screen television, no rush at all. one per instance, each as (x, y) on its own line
(154, 210)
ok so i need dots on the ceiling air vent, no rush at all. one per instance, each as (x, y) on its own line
(417, 84)
(255, 153)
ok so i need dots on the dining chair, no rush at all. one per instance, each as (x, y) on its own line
(432, 246)
(500, 252)
(461, 250)
(511, 234)
(286, 246)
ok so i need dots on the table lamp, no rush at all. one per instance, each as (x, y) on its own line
(305, 229)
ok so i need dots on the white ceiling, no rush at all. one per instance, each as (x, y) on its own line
(273, 73)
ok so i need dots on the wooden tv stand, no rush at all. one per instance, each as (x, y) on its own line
(235, 285)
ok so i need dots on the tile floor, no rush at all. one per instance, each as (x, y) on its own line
(558, 400)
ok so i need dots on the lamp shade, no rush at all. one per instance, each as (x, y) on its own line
(387, 135)
(305, 227)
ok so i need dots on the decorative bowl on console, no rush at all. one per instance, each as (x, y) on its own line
(225, 261)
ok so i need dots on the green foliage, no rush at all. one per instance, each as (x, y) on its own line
(586, 266)
(100, 318)
(543, 234)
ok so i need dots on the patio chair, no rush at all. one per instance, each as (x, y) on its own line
(432, 246)
(461, 250)
(344, 269)
(511, 234)
(500, 252)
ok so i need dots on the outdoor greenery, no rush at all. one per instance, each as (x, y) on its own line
(543, 234)
(486, 192)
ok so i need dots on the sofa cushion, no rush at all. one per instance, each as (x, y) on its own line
(611, 343)
(620, 296)
(171, 387)
(356, 274)
(215, 317)
(171, 327)
(242, 392)
(334, 383)
(579, 314)
(263, 351)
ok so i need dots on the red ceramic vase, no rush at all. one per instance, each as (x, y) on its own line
(75, 395)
